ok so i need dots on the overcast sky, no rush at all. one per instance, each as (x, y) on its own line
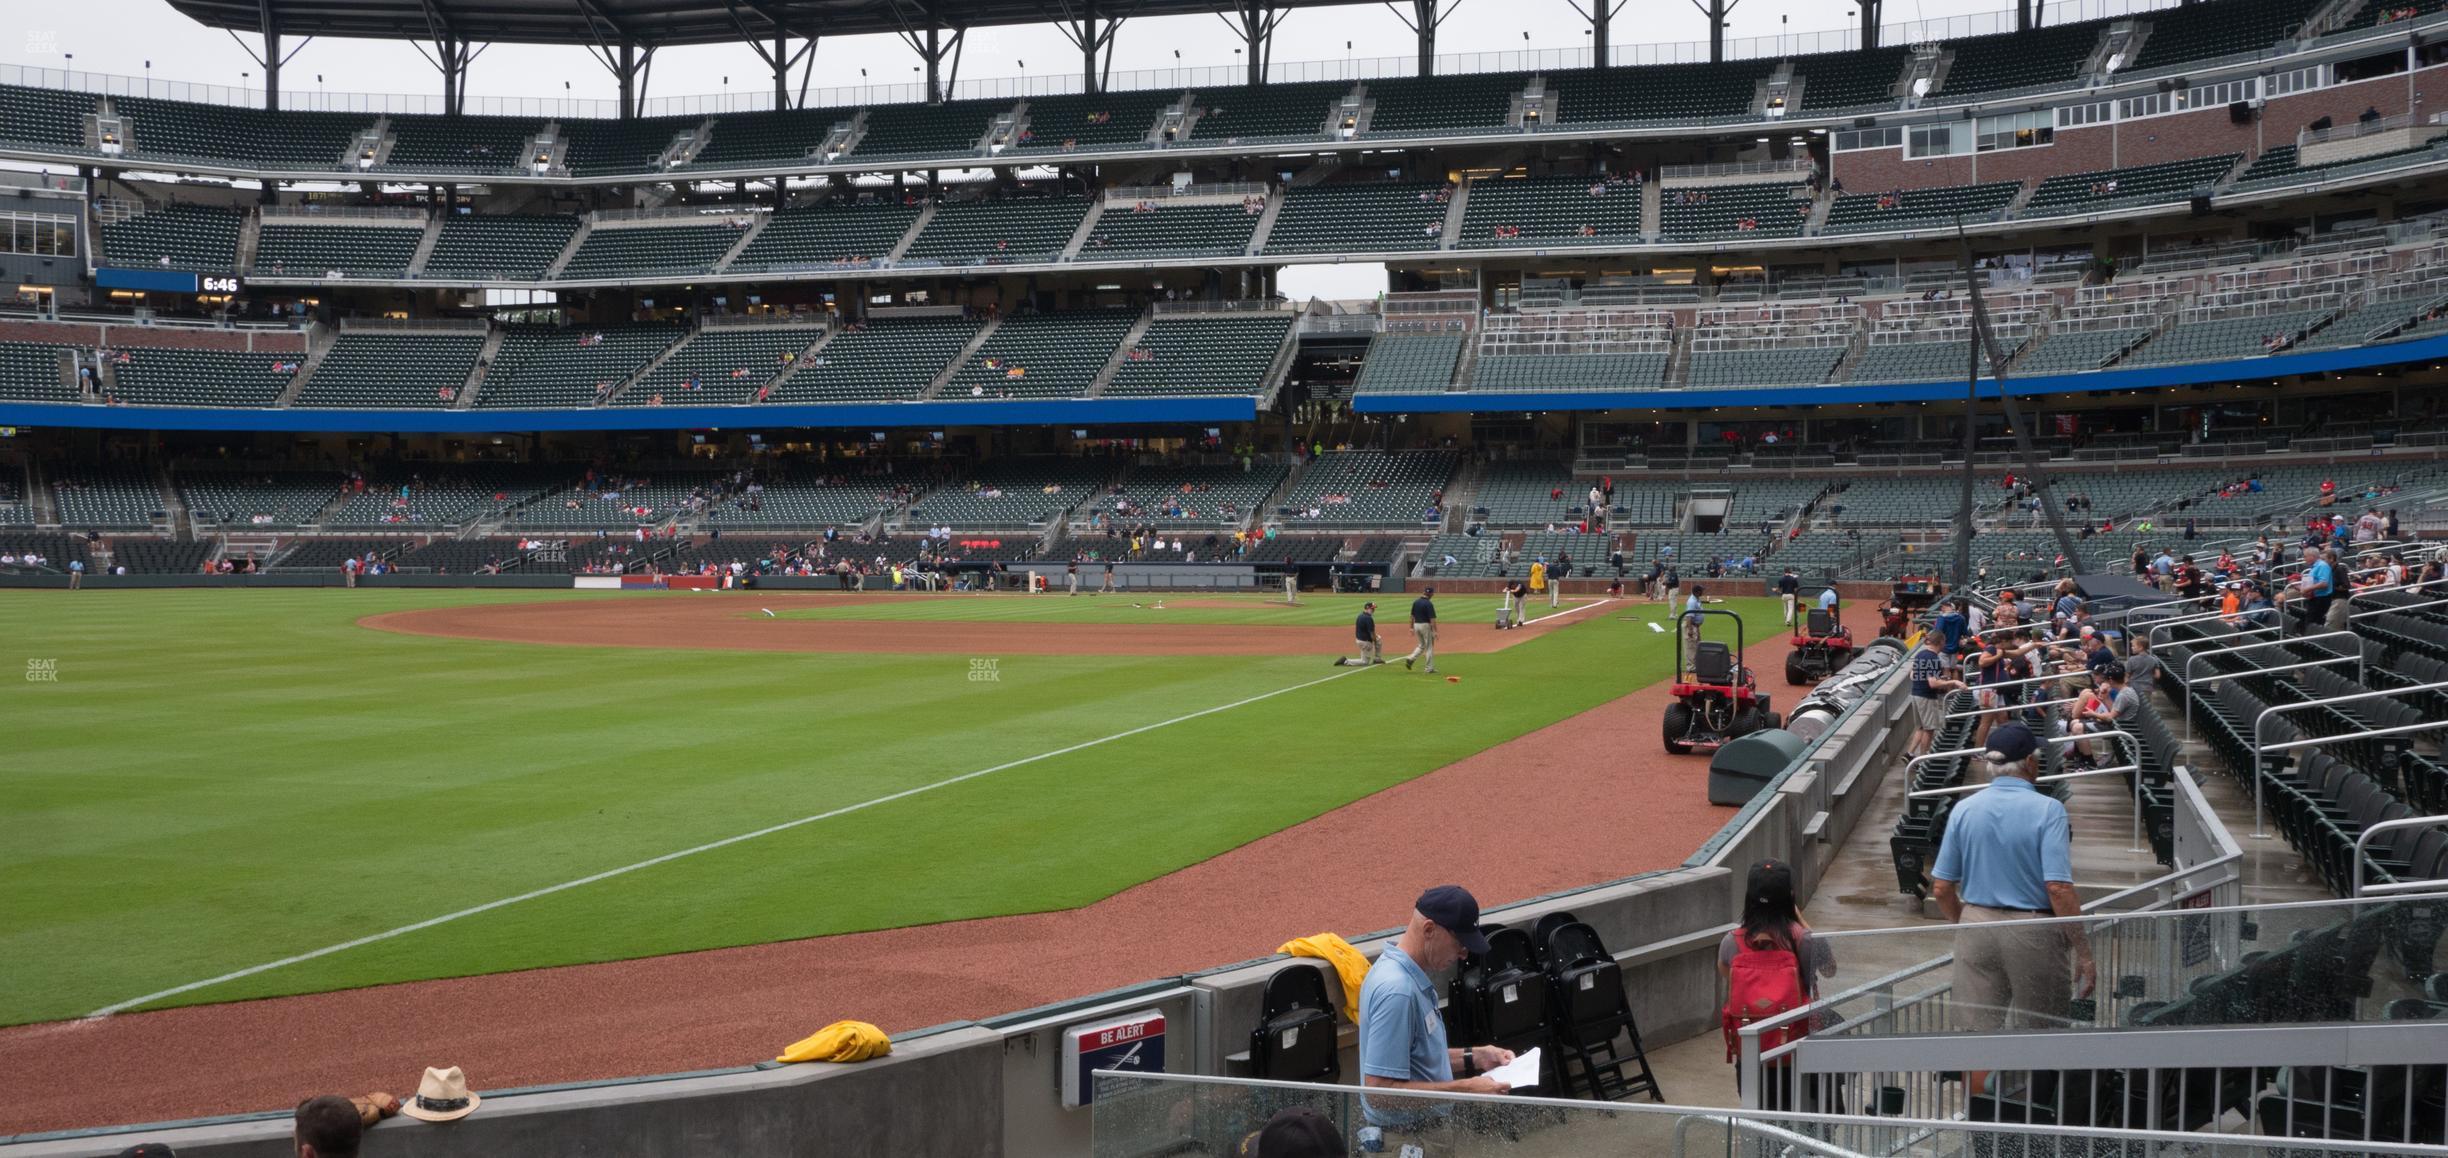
(120, 36)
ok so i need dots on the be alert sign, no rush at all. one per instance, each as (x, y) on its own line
(1132, 1043)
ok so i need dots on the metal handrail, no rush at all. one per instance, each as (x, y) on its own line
(2015, 707)
(2397, 610)
(2260, 748)
(2152, 634)
(2051, 778)
(2186, 678)
(2388, 826)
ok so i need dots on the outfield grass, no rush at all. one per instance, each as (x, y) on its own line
(219, 779)
(1230, 608)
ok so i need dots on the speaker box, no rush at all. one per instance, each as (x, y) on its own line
(2201, 205)
(2241, 112)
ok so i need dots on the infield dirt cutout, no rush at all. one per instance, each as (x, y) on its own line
(732, 623)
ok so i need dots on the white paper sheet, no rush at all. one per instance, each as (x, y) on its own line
(1520, 1073)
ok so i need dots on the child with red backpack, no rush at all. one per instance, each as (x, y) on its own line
(1771, 966)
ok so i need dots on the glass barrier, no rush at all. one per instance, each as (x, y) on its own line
(1134, 1116)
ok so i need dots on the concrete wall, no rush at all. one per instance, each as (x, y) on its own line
(937, 1095)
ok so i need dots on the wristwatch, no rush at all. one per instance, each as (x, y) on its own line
(1470, 1062)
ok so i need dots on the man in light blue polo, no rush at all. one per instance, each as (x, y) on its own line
(1402, 1036)
(2008, 856)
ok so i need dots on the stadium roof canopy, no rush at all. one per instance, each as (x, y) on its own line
(664, 22)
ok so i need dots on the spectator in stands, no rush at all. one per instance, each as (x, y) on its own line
(1930, 685)
(2141, 667)
(2314, 587)
(2112, 705)
(2008, 856)
(329, 1126)
(1402, 1033)
(1773, 924)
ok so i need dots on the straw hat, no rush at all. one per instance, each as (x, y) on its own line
(442, 1096)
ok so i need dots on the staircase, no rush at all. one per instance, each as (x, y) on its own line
(1280, 368)
(484, 362)
(39, 500)
(969, 351)
(1453, 215)
(68, 360)
(1323, 168)
(1275, 498)
(1678, 359)
(739, 247)
(1461, 492)
(2022, 197)
(661, 356)
(1466, 367)
(1130, 341)
(425, 246)
(319, 342)
(1087, 226)
(1816, 219)
(586, 225)
(1926, 71)
(917, 227)
(250, 234)
(1266, 222)
(172, 503)
(2121, 43)
(2328, 18)
(823, 335)
(1653, 209)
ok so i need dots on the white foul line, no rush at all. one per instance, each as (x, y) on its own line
(710, 846)
(1569, 610)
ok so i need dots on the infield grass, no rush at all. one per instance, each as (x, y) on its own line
(219, 779)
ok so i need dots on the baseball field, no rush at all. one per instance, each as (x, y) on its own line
(218, 795)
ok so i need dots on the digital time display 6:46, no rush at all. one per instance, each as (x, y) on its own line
(221, 285)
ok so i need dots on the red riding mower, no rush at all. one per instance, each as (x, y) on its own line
(1716, 697)
(1820, 646)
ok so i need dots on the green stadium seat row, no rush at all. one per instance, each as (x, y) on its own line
(998, 232)
(540, 366)
(1550, 211)
(1361, 218)
(1022, 493)
(1190, 495)
(1087, 121)
(1036, 355)
(298, 250)
(1210, 353)
(30, 372)
(393, 370)
(681, 249)
(2117, 188)
(506, 247)
(722, 366)
(1162, 229)
(185, 237)
(882, 359)
(1920, 208)
(826, 236)
(176, 377)
(239, 499)
(1367, 488)
(1401, 363)
(106, 498)
(1774, 209)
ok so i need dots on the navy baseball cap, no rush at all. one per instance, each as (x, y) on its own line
(1452, 907)
(1295, 1132)
(2011, 742)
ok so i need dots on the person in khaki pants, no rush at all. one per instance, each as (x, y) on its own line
(1423, 628)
